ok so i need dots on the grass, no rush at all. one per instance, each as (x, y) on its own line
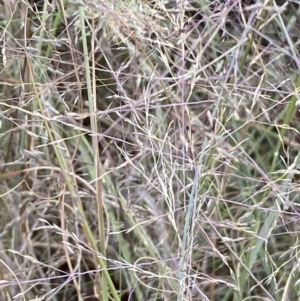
(149, 150)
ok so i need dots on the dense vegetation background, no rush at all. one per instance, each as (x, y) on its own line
(149, 150)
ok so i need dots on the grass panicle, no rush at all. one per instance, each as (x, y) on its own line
(149, 150)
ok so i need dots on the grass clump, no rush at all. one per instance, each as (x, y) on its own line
(149, 150)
